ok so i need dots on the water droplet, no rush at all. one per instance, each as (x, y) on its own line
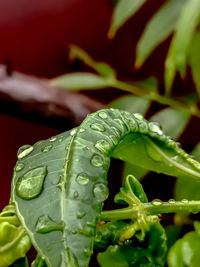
(143, 126)
(30, 184)
(87, 147)
(24, 151)
(138, 116)
(103, 146)
(67, 147)
(76, 194)
(97, 160)
(80, 214)
(103, 115)
(171, 201)
(53, 139)
(73, 132)
(100, 192)
(155, 128)
(81, 130)
(46, 148)
(156, 202)
(184, 201)
(82, 178)
(19, 167)
(97, 127)
(45, 224)
(113, 139)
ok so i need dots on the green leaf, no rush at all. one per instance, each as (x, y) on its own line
(134, 104)
(14, 243)
(158, 29)
(131, 103)
(194, 60)
(60, 184)
(172, 232)
(81, 81)
(185, 252)
(102, 68)
(132, 192)
(151, 254)
(108, 234)
(123, 10)
(176, 124)
(39, 262)
(189, 189)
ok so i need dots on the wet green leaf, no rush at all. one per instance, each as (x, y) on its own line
(123, 10)
(158, 29)
(60, 184)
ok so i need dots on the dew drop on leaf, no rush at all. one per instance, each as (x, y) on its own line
(76, 194)
(155, 128)
(80, 214)
(46, 148)
(171, 201)
(45, 224)
(97, 160)
(81, 130)
(156, 202)
(82, 178)
(30, 184)
(103, 146)
(19, 167)
(103, 115)
(24, 151)
(184, 201)
(53, 139)
(100, 192)
(138, 116)
(97, 127)
(73, 132)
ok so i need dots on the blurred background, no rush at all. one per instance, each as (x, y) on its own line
(52, 75)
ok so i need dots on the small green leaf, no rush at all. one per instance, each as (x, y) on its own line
(132, 192)
(108, 234)
(158, 29)
(189, 189)
(123, 11)
(39, 262)
(150, 254)
(185, 252)
(80, 81)
(176, 124)
(14, 243)
(100, 67)
(131, 103)
(194, 60)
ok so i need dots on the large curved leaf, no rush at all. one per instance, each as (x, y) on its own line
(59, 184)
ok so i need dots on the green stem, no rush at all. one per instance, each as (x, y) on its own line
(152, 95)
(151, 208)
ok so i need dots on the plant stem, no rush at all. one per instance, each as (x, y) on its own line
(151, 208)
(153, 95)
